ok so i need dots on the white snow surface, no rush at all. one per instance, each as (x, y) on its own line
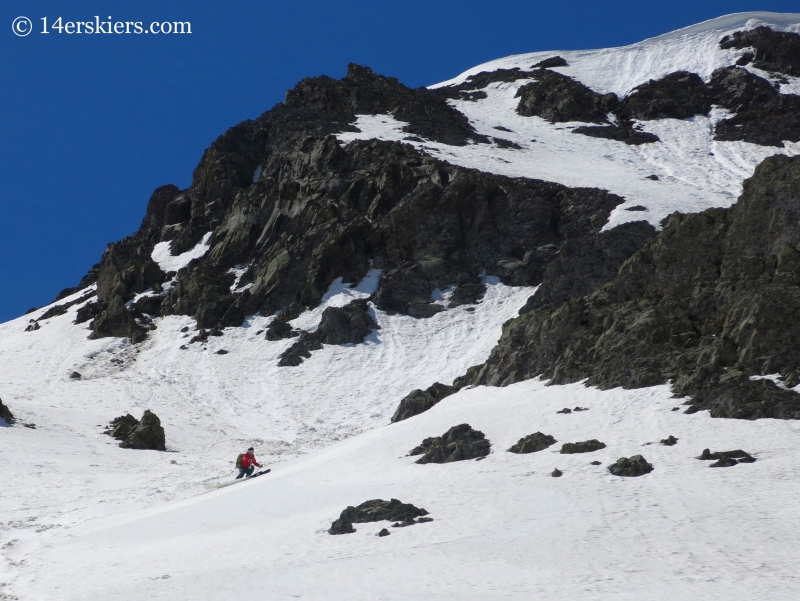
(82, 519)
(162, 254)
(695, 172)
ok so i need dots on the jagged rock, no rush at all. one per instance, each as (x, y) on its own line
(424, 520)
(712, 292)
(418, 401)
(341, 527)
(679, 95)
(116, 320)
(763, 115)
(146, 433)
(466, 294)
(383, 532)
(376, 510)
(587, 446)
(62, 308)
(559, 98)
(669, 441)
(5, 413)
(630, 467)
(278, 330)
(532, 443)
(121, 427)
(565, 410)
(777, 51)
(89, 311)
(339, 325)
(33, 327)
(457, 444)
(557, 473)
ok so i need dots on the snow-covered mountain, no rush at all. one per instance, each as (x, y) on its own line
(366, 266)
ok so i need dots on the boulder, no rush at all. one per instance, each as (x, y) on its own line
(669, 441)
(557, 473)
(457, 444)
(419, 401)
(376, 510)
(339, 325)
(5, 413)
(630, 467)
(147, 434)
(587, 446)
(726, 458)
(122, 426)
(532, 443)
(383, 532)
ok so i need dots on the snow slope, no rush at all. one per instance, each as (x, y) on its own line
(81, 518)
(503, 528)
(211, 405)
(695, 172)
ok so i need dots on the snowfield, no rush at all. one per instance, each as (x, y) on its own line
(82, 519)
(695, 172)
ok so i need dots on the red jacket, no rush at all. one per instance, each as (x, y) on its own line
(249, 459)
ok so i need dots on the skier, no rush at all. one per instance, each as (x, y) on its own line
(247, 464)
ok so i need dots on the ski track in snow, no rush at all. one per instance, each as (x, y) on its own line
(695, 172)
(211, 406)
(503, 528)
(81, 518)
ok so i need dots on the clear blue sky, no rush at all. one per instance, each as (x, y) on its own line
(91, 124)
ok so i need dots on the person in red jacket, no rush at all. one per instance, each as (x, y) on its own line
(249, 464)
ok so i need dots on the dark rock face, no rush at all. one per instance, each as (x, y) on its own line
(279, 330)
(775, 51)
(669, 441)
(457, 444)
(122, 427)
(62, 308)
(468, 293)
(625, 132)
(532, 443)
(714, 298)
(630, 467)
(679, 95)
(376, 510)
(5, 413)
(559, 98)
(136, 434)
(549, 63)
(346, 325)
(587, 446)
(321, 210)
(419, 401)
(383, 532)
(557, 473)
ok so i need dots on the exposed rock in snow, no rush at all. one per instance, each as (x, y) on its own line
(532, 443)
(587, 446)
(631, 467)
(459, 443)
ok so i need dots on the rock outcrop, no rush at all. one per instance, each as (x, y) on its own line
(532, 443)
(376, 510)
(419, 401)
(727, 458)
(459, 443)
(709, 302)
(5, 413)
(146, 433)
(350, 324)
(587, 446)
(630, 467)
